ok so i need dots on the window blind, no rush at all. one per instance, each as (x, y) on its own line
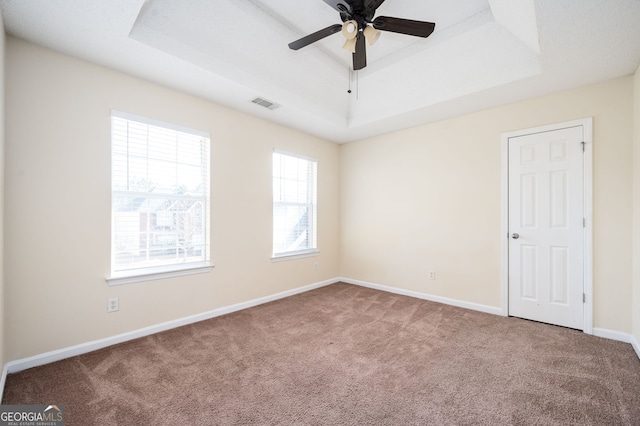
(160, 196)
(294, 204)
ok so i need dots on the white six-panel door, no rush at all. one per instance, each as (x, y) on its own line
(546, 227)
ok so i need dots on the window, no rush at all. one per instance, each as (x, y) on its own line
(160, 198)
(294, 205)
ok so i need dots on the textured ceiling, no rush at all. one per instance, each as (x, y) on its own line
(483, 53)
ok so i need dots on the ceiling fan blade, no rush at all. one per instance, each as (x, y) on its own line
(360, 57)
(341, 6)
(404, 26)
(370, 7)
(311, 38)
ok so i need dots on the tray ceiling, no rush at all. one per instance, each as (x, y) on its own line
(483, 53)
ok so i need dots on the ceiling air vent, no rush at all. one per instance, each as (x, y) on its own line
(266, 103)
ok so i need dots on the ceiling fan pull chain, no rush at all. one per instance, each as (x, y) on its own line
(349, 79)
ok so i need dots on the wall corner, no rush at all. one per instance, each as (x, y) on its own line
(636, 211)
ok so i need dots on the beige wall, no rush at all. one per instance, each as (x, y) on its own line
(429, 198)
(636, 211)
(58, 204)
(391, 208)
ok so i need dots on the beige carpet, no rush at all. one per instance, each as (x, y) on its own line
(346, 355)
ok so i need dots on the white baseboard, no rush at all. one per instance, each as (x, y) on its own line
(60, 354)
(619, 336)
(636, 346)
(612, 334)
(600, 332)
(425, 296)
(57, 355)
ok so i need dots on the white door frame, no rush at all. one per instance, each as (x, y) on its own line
(587, 124)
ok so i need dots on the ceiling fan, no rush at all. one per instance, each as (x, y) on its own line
(358, 25)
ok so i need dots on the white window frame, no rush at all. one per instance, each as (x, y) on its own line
(178, 268)
(312, 211)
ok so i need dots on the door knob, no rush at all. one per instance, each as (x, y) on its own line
(515, 235)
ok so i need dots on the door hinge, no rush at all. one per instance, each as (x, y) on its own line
(584, 222)
(583, 145)
(584, 298)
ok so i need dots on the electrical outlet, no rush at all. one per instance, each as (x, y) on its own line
(432, 275)
(113, 304)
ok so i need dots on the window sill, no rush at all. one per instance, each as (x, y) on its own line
(134, 277)
(293, 256)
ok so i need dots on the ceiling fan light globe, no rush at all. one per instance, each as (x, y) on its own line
(350, 29)
(350, 45)
(372, 35)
